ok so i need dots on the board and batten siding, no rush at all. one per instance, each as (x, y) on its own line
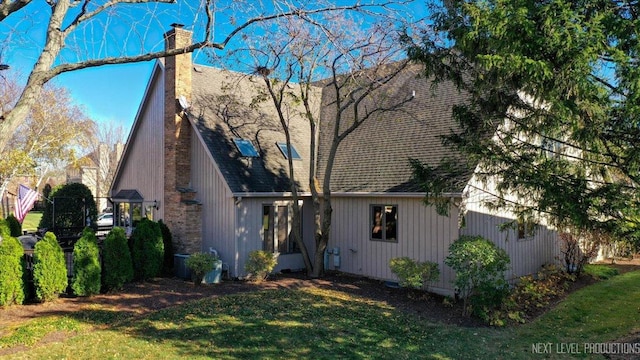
(218, 215)
(527, 255)
(144, 165)
(423, 235)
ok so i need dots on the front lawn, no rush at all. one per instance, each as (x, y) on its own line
(311, 323)
(31, 221)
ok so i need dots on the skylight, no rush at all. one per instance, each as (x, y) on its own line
(294, 153)
(245, 147)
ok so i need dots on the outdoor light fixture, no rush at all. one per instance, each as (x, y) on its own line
(4, 67)
(156, 204)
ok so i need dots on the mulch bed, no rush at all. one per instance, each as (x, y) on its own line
(139, 299)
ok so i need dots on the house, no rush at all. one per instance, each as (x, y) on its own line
(208, 158)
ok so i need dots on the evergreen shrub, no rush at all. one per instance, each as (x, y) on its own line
(118, 268)
(260, 264)
(12, 268)
(86, 265)
(49, 269)
(15, 228)
(147, 250)
(167, 239)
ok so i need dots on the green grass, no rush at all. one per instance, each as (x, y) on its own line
(600, 271)
(325, 324)
(31, 221)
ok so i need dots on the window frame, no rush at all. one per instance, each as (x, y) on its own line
(383, 220)
(272, 219)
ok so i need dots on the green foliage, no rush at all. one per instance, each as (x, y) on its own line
(49, 268)
(414, 274)
(167, 239)
(147, 250)
(565, 75)
(118, 267)
(479, 265)
(12, 268)
(200, 264)
(86, 265)
(14, 225)
(71, 202)
(532, 295)
(260, 264)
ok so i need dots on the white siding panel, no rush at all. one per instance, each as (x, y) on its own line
(218, 209)
(143, 168)
(423, 235)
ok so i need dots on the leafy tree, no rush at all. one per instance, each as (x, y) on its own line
(118, 268)
(86, 265)
(53, 130)
(73, 204)
(12, 268)
(49, 269)
(71, 25)
(564, 76)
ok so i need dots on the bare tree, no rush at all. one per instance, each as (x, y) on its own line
(353, 66)
(71, 43)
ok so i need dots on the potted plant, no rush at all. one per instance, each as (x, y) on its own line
(200, 264)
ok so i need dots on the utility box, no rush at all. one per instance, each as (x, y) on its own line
(214, 276)
(180, 266)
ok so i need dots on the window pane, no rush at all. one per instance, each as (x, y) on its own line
(376, 222)
(245, 147)
(391, 219)
(267, 228)
(283, 229)
(294, 153)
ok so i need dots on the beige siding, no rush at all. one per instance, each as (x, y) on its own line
(142, 169)
(527, 255)
(422, 235)
(218, 215)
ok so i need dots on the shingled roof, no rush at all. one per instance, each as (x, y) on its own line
(225, 106)
(375, 157)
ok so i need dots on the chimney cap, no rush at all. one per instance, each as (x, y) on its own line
(177, 25)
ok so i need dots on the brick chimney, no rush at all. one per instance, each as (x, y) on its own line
(182, 213)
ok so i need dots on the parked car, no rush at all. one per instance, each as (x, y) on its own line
(105, 219)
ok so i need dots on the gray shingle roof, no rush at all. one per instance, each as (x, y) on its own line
(224, 107)
(375, 157)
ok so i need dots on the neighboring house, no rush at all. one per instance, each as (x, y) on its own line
(95, 170)
(206, 158)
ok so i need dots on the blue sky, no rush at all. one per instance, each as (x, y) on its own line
(109, 93)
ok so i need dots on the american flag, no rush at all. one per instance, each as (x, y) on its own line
(24, 202)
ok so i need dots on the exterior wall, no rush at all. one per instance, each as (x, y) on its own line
(218, 208)
(142, 170)
(249, 234)
(527, 255)
(423, 235)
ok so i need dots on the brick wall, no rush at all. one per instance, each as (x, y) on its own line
(182, 214)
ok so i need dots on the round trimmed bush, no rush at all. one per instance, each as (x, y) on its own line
(260, 264)
(118, 269)
(147, 250)
(12, 268)
(86, 265)
(49, 269)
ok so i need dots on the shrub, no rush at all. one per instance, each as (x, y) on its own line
(479, 267)
(86, 265)
(578, 251)
(200, 264)
(12, 268)
(260, 264)
(414, 274)
(167, 240)
(532, 294)
(118, 269)
(15, 228)
(147, 250)
(49, 268)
